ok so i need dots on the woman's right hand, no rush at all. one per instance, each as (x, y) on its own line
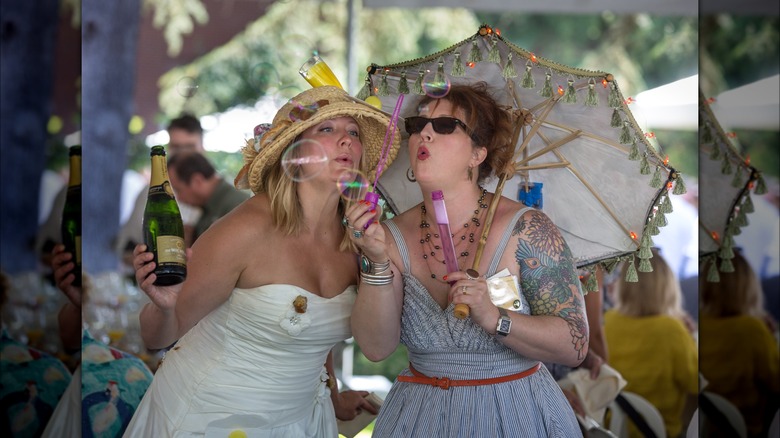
(164, 297)
(370, 240)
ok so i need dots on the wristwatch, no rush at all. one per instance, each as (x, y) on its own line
(368, 266)
(504, 323)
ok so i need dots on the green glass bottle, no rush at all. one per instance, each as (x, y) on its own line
(71, 214)
(163, 227)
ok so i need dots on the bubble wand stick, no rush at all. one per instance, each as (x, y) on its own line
(372, 196)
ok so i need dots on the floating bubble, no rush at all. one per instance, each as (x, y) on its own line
(187, 86)
(353, 185)
(304, 160)
(436, 84)
(264, 77)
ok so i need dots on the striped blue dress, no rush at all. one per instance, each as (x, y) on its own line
(441, 345)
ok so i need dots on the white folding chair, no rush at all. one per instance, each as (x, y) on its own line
(619, 420)
(774, 428)
(693, 426)
(729, 411)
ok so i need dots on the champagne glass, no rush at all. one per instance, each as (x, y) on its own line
(317, 73)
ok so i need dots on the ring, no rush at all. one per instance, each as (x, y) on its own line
(472, 274)
(463, 289)
(358, 234)
(345, 221)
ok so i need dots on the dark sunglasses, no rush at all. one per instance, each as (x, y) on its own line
(441, 125)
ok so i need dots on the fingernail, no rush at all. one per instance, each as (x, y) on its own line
(444, 278)
(372, 211)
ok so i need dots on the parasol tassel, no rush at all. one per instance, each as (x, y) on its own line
(706, 134)
(741, 219)
(747, 204)
(735, 231)
(631, 275)
(760, 185)
(656, 182)
(726, 251)
(666, 205)
(726, 266)
(528, 78)
(644, 166)
(438, 78)
(364, 91)
(571, 94)
(616, 121)
(715, 153)
(417, 88)
(475, 55)
(633, 153)
(728, 239)
(592, 285)
(644, 246)
(644, 265)
(592, 99)
(625, 134)
(737, 180)
(725, 167)
(494, 55)
(679, 185)
(457, 66)
(509, 68)
(712, 272)
(614, 99)
(382, 90)
(547, 88)
(403, 85)
(660, 220)
(652, 228)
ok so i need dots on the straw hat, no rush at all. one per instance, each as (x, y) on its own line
(300, 113)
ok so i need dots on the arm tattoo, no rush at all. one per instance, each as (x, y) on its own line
(548, 276)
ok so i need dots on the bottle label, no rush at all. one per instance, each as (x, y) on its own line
(170, 249)
(78, 250)
(163, 189)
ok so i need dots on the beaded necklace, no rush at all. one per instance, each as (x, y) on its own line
(425, 234)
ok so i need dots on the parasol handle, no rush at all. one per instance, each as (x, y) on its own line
(461, 310)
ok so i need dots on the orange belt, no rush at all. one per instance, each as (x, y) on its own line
(445, 383)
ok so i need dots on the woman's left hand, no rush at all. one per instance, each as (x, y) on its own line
(351, 403)
(474, 293)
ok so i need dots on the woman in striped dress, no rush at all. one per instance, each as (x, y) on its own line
(478, 376)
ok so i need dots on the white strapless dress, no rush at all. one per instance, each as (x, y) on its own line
(252, 365)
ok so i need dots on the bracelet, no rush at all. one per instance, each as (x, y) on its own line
(368, 266)
(377, 280)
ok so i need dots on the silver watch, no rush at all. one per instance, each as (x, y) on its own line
(504, 323)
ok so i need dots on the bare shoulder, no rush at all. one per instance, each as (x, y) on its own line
(246, 223)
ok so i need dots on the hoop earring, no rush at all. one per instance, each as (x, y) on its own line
(410, 175)
(471, 173)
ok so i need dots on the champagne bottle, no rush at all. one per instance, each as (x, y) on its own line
(71, 214)
(163, 227)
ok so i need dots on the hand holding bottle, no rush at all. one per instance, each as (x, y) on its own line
(164, 297)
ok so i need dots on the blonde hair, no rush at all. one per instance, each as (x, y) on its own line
(737, 293)
(286, 208)
(656, 293)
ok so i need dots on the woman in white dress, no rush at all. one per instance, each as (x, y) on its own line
(269, 288)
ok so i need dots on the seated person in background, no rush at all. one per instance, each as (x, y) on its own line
(186, 135)
(739, 354)
(196, 182)
(651, 343)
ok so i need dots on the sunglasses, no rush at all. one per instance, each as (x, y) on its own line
(441, 125)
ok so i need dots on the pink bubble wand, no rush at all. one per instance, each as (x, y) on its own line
(373, 196)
